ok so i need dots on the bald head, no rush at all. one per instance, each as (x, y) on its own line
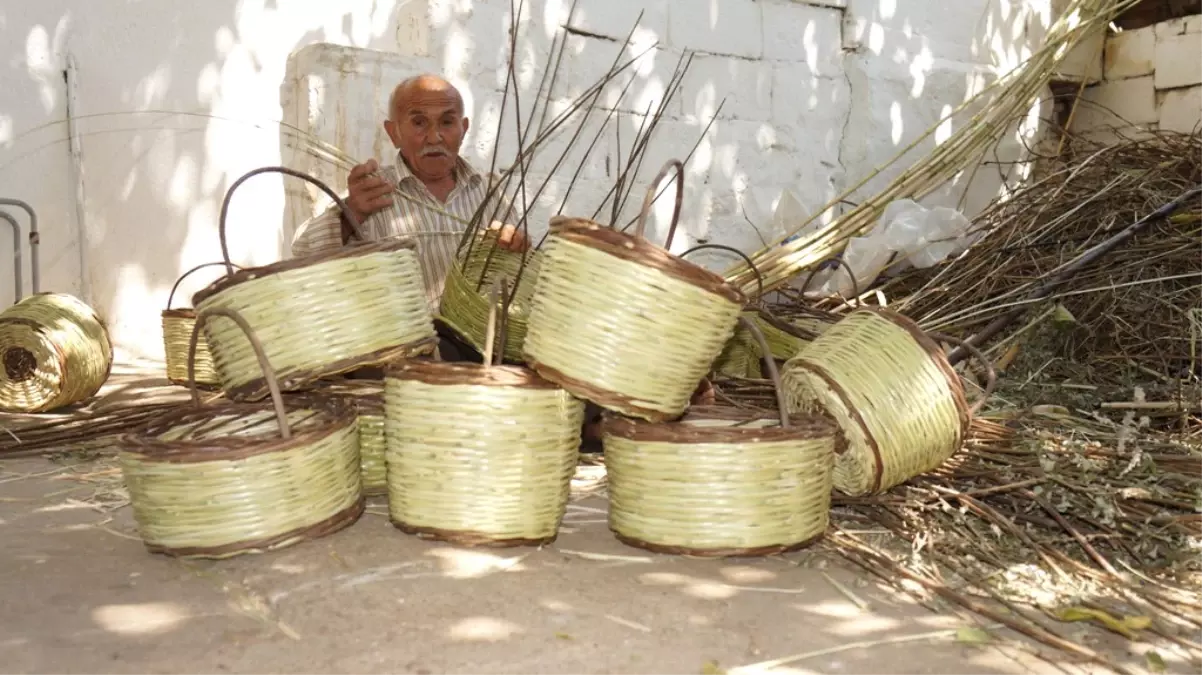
(426, 123)
(422, 87)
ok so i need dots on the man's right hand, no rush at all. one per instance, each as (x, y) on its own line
(368, 193)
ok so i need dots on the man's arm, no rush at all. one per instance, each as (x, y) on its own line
(319, 234)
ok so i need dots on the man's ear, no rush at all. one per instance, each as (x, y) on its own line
(393, 133)
(466, 124)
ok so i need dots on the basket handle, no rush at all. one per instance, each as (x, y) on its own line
(496, 323)
(990, 371)
(855, 287)
(759, 278)
(171, 296)
(650, 197)
(268, 372)
(773, 373)
(225, 205)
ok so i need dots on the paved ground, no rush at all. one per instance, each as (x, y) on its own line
(79, 593)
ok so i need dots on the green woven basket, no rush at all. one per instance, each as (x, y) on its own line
(889, 386)
(54, 351)
(720, 482)
(464, 307)
(363, 305)
(479, 454)
(177, 326)
(216, 481)
(624, 323)
(367, 399)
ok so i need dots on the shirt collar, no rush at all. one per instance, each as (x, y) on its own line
(464, 172)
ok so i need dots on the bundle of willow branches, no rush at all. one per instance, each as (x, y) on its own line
(1009, 98)
(1136, 307)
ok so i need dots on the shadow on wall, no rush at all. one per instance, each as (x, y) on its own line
(816, 98)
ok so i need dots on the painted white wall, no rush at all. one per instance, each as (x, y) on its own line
(819, 94)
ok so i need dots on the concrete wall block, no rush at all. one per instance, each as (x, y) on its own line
(1181, 110)
(817, 107)
(1118, 103)
(1131, 53)
(745, 85)
(1185, 25)
(586, 61)
(1178, 61)
(795, 31)
(732, 27)
(615, 20)
(1084, 62)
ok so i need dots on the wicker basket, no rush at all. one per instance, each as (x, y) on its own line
(363, 305)
(479, 454)
(54, 351)
(623, 323)
(215, 481)
(899, 403)
(464, 307)
(367, 398)
(177, 334)
(720, 483)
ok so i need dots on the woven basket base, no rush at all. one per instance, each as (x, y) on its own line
(600, 397)
(334, 523)
(375, 491)
(757, 552)
(203, 386)
(472, 539)
(256, 389)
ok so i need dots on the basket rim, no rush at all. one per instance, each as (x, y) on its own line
(178, 313)
(759, 551)
(449, 373)
(470, 538)
(397, 243)
(603, 398)
(367, 396)
(803, 427)
(333, 415)
(641, 251)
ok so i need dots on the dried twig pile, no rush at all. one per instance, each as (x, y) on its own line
(1136, 309)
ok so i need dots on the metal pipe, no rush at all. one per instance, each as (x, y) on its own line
(20, 278)
(34, 239)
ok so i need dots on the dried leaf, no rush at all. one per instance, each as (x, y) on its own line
(564, 636)
(972, 635)
(1127, 626)
(1155, 662)
(712, 668)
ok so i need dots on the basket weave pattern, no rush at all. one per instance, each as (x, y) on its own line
(236, 487)
(465, 306)
(54, 351)
(177, 332)
(624, 335)
(364, 306)
(722, 496)
(367, 398)
(899, 411)
(488, 462)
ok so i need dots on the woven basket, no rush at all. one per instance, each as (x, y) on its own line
(216, 481)
(367, 399)
(464, 307)
(54, 351)
(889, 386)
(720, 483)
(623, 323)
(177, 334)
(363, 305)
(479, 454)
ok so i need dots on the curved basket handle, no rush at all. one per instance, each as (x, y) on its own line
(496, 323)
(171, 296)
(855, 287)
(773, 373)
(225, 205)
(268, 372)
(759, 278)
(650, 197)
(990, 371)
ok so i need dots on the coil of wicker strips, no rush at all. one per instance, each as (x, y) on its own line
(329, 313)
(220, 480)
(889, 386)
(479, 454)
(464, 307)
(720, 482)
(54, 351)
(367, 399)
(177, 333)
(623, 323)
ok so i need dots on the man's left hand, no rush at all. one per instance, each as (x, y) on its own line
(510, 238)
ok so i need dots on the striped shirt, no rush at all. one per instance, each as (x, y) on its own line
(437, 226)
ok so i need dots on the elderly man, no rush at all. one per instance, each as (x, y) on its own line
(430, 192)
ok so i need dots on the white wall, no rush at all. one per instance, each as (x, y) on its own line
(820, 93)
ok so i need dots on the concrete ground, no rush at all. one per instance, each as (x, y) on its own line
(79, 593)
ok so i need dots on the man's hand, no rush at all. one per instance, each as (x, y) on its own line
(368, 193)
(510, 238)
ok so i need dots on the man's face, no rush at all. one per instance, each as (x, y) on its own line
(427, 127)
